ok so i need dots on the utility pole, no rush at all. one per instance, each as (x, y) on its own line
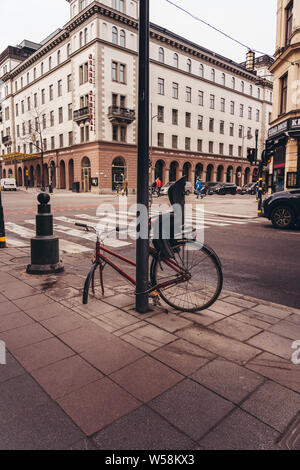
(2, 225)
(142, 245)
(260, 182)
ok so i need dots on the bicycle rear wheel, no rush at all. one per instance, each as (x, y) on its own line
(90, 278)
(204, 277)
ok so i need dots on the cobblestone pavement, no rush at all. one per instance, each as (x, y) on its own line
(102, 376)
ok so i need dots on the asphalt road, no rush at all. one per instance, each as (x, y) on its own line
(257, 259)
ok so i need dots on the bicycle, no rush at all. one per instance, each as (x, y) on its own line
(184, 273)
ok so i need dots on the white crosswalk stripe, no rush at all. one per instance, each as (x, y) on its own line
(19, 235)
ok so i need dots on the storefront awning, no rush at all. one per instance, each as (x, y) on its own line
(17, 157)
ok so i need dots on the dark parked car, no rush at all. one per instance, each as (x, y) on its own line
(225, 188)
(250, 188)
(283, 208)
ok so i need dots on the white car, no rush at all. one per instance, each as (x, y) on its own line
(8, 184)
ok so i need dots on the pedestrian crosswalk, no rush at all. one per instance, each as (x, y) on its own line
(75, 240)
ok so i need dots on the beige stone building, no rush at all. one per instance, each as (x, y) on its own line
(74, 95)
(284, 133)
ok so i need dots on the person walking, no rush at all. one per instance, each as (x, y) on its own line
(158, 185)
(198, 187)
(125, 187)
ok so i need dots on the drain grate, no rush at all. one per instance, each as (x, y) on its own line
(291, 438)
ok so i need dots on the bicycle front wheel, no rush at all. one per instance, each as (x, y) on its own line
(204, 278)
(89, 279)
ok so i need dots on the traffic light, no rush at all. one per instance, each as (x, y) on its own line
(269, 151)
(251, 155)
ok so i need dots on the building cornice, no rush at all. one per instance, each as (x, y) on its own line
(283, 54)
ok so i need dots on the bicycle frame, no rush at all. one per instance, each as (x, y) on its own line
(101, 259)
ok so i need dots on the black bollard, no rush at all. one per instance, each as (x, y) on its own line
(2, 225)
(44, 246)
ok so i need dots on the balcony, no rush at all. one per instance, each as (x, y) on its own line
(82, 114)
(6, 140)
(121, 115)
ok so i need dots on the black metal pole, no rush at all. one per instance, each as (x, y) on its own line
(2, 225)
(260, 183)
(142, 245)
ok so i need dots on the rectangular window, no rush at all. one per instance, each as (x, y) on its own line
(160, 139)
(51, 92)
(249, 113)
(231, 129)
(18, 130)
(82, 134)
(221, 149)
(257, 115)
(45, 144)
(289, 22)
(241, 110)
(174, 141)
(211, 147)
(44, 121)
(161, 86)
(70, 138)
(87, 133)
(211, 124)
(240, 151)
(61, 140)
(35, 100)
(51, 118)
(200, 98)
(59, 88)
(22, 107)
(175, 117)
(17, 110)
(231, 107)
(69, 82)
(60, 115)
(241, 132)
(52, 143)
(28, 104)
(122, 73)
(187, 143)
(114, 72)
(70, 113)
(212, 101)
(115, 132)
(187, 119)
(160, 113)
(223, 105)
(199, 145)
(175, 91)
(123, 133)
(284, 88)
(43, 96)
(188, 94)
(231, 150)
(200, 123)
(222, 125)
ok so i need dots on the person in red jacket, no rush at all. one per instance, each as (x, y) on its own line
(158, 185)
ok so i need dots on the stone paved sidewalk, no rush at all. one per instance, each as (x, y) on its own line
(102, 376)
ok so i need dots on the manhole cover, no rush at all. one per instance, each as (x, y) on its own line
(291, 438)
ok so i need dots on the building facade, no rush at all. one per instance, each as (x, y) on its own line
(284, 133)
(73, 98)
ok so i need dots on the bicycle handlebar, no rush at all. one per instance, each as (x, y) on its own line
(81, 225)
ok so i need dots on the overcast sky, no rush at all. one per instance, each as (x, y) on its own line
(251, 22)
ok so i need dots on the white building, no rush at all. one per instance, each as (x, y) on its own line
(75, 95)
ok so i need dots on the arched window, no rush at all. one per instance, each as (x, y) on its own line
(201, 70)
(161, 55)
(242, 87)
(213, 75)
(81, 39)
(251, 90)
(258, 93)
(85, 36)
(42, 68)
(189, 66)
(223, 79)
(122, 38)
(114, 35)
(68, 50)
(58, 57)
(233, 83)
(50, 63)
(175, 60)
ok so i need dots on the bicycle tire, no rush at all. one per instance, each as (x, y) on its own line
(175, 296)
(86, 288)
